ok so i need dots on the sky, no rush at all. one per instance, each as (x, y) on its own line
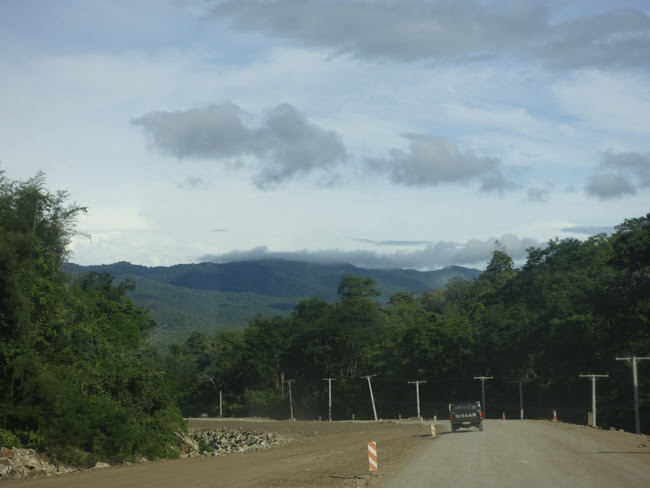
(385, 134)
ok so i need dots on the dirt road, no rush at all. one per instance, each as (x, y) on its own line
(321, 454)
(533, 454)
(334, 455)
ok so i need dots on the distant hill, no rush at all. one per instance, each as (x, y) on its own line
(208, 296)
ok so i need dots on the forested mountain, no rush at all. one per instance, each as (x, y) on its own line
(209, 296)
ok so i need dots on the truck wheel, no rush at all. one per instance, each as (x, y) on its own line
(454, 428)
(480, 426)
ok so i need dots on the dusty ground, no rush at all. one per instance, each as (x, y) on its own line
(327, 455)
(320, 454)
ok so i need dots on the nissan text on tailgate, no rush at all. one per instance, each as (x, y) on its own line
(465, 414)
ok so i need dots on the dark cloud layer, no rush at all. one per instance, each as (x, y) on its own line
(475, 253)
(442, 30)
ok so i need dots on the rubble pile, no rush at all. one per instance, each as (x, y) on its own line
(25, 463)
(223, 441)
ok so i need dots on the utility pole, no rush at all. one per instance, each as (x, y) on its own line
(417, 393)
(521, 398)
(211, 380)
(593, 394)
(372, 398)
(329, 383)
(635, 379)
(483, 378)
(290, 397)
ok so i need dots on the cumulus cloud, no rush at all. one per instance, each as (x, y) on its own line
(607, 186)
(622, 174)
(286, 145)
(432, 160)
(283, 146)
(455, 31)
(636, 165)
(435, 255)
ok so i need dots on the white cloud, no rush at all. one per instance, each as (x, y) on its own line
(474, 253)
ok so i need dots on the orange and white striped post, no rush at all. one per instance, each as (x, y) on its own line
(554, 415)
(433, 430)
(372, 456)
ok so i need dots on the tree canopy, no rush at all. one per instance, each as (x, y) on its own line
(77, 377)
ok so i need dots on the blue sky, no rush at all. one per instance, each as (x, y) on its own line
(409, 134)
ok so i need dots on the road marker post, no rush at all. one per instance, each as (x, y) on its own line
(554, 416)
(372, 456)
(433, 430)
(504, 416)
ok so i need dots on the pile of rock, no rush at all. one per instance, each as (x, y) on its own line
(224, 441)
(25, 463)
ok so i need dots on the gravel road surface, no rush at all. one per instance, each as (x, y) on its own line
(530, 454)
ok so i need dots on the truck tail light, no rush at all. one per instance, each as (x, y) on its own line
(480, 414)
(451, 417)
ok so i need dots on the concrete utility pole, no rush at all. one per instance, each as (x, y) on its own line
(635, 379)
(593, 394)
(372, 398)
(521, 398)
(483, 378)
(210, 379)
(417, 393)
(290, 397)
(329, 383)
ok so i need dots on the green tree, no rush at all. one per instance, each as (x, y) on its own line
(76, 373)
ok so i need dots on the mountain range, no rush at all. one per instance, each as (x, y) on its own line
(205, 297)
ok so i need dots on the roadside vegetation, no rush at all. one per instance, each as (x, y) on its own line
(80, 380)
(77, 377)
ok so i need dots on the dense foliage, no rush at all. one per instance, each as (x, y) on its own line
(77, 377)
(571, 309)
